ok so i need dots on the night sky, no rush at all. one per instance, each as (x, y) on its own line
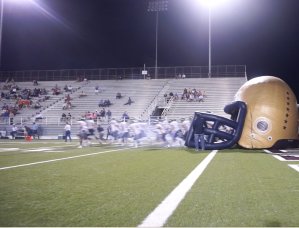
(84, 34)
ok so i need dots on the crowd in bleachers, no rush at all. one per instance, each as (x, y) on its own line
(189, 95)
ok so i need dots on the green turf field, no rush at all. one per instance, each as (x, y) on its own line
(52, 183)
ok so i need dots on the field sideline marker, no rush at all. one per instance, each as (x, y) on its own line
(164, 210)
(60, 159)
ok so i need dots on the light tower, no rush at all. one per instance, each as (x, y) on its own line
(157, 6)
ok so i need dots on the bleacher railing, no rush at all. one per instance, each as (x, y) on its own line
(125, 73)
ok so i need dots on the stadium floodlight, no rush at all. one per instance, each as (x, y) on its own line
(210, 4)
(156, 6)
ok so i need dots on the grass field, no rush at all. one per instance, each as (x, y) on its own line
(52, 183)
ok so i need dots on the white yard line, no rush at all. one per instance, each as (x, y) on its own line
(296, 167)
(279, 158)
(60, 159)
(160, 215)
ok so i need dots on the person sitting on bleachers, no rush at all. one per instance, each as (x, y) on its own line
(101, 103)
(69, 116)
(204, 94)
(129, 101)
(38, 117)
(107, 103)
(43, 91)
(26, 104)
(200, 96)
(69, 88)
(7, 96)
(20, 103)
(176, 96)
(55, 91)
(65, 88)
(68, 97)
(35, 83)
(125, 115)
(118, 95)
(63, 117)
(82, 94)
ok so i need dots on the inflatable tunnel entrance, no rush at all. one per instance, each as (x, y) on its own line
(238, 111)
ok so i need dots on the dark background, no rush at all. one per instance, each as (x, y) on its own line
(83, 34)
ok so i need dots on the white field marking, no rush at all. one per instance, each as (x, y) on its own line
(268, 152)
(8, 149)
(296, 167)
(279, 158)
(283, 151)
(165, 209)
(60, 159)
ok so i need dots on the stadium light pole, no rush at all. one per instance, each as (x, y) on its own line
(210, 4)
(156, 6)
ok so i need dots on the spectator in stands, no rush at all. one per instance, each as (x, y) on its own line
(94, 116)
(55, 91)
(11, 116)
(82, 94)
(176, 76)
(101, 103)
(129, 101)
(39, 117)
(204, 94)
(20, 103)
(69, 88)
(68, 97)
(103, 114)
(65, 88)
(96, 90)
(109, 114)
(35, 83)
(107, 103)
(27, 103)
(171, 94)
(119, 78)
(118, 95)
(148, 77)
(125, 115)
(176, 96)
(14, 131)
(69, 116)
(63, 117)
(183, 76)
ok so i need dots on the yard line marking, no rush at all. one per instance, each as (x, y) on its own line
(279, 158)
(165, 209)
(60, 159)
(296, 167)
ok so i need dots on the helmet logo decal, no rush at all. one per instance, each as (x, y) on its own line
(262, 125)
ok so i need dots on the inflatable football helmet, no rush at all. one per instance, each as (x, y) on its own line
(272, 115)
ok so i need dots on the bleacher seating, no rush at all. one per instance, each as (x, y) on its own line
(220, 91)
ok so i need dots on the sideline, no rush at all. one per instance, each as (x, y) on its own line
(164, 210)
(60, 159)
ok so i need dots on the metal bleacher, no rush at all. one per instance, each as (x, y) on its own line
(220, 91)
